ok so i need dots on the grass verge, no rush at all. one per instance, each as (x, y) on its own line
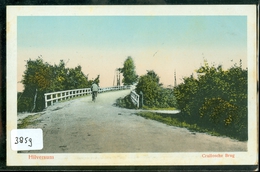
(156, 108)
(175, 120)
(29, 120)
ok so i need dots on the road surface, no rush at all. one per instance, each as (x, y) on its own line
(82, 126)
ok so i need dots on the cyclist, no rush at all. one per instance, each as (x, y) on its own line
(94, 89)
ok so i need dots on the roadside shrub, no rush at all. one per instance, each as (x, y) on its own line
(216, 100)
(125, 102)
(24, 104)
(153, 93)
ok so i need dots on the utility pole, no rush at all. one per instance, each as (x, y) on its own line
(114, 79)
(175, 82)
(118, 77)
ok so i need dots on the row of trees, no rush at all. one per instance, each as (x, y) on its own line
(41, 77)
(216, 100)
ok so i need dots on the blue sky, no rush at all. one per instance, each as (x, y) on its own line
(162, 43)
(131, 31)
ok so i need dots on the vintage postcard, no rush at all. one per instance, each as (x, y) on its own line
(132, 85)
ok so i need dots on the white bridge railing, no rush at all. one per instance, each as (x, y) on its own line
(51, 98)
(135, 98)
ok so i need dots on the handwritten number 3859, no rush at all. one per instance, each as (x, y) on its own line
(22, 139)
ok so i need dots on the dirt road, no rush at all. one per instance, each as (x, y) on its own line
(81, 126)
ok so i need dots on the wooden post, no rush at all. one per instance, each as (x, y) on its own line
(141, 99)
(51, 99)
(46, 103)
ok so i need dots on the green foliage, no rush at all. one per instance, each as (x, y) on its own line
(37, 74)
(125, 102)
(216, 100)
(24, 102)
(154, 94)
(29, 120)
(128, 71)
(178, 121)
(156, 108)
(41, 77)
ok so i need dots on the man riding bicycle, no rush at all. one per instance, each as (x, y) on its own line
(94, 89)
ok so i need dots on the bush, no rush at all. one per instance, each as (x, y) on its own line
(24, 104)
(125, 102)
(217, 100)
(154, 94)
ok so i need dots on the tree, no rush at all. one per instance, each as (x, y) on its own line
(154, 94)
(128, 72)
(37, 79)
(41, 77)
(149, 85)
(76, 79)
(37, 74)
(96, 80)
(59, 77)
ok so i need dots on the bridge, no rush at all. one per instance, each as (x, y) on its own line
(54, 97)
(82, 126)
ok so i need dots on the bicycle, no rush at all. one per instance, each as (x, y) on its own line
(94, 95)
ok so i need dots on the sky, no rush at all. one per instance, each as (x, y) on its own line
(101, 44)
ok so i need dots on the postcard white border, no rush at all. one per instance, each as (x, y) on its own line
(89, 159)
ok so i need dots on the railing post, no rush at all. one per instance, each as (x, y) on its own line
(51, 99)
(46, 103)
(141, 99)
(137, 101)
(135, 98)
